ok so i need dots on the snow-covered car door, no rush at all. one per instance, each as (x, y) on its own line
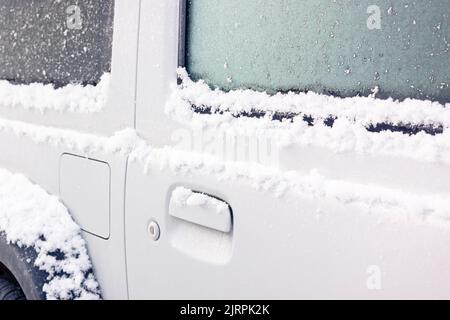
(247, 194)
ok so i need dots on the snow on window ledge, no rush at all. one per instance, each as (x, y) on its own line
(367, 111)
(355, 127)
(44, 97)
(30, 217)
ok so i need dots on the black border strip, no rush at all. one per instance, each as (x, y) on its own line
(404, 128)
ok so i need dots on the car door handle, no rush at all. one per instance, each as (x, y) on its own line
(200, 208)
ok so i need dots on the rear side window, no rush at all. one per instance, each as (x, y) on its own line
(340, 47)
(55, 41)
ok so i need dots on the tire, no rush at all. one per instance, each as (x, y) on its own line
(17, 271)
(10, 289)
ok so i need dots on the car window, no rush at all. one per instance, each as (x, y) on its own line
(55, 41)
(339, 47)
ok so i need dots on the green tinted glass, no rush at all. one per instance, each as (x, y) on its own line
(340, 47)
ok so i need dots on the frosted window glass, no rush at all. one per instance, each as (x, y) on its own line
(339, 47)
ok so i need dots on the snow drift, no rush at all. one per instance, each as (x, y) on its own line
(30, 217)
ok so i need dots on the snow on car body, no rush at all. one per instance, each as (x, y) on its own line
(320, 196)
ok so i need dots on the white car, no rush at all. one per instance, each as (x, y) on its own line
(224, 149)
